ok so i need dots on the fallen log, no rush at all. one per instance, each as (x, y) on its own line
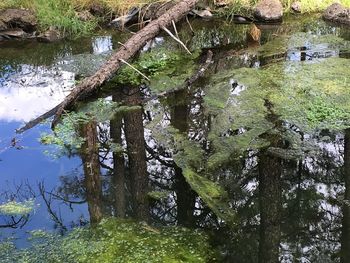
(188, 82)
(124, 53)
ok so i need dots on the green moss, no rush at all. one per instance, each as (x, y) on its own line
(114, 241)
(14, 208)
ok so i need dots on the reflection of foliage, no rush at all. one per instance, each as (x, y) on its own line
(113, 241)
(214, 33)
(66, 133)
(67, 136)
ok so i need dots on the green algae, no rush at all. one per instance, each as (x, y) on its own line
(113, 240)
(309, 96)
(14, 208)
(166, 67)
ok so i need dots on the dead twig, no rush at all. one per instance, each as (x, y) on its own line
(131, 66)
(189, 24)
(175, 29)
(176, 39)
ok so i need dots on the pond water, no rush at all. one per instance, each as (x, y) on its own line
(253, 159)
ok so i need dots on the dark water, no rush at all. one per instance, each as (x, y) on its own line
(286, 206)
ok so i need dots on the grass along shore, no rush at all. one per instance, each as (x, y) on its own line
(63, 13)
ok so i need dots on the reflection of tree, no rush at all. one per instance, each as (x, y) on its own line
(185, 196)
(19, 193)
(91, 164)
(270, 193)
(119, 169)
(293, 232)
(345, 238)
(270, 207)
(14, 221)
(48, 200)
(134, 135)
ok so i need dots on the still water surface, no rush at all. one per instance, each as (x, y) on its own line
(289, 204)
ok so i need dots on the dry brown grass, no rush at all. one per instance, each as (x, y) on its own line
(119, 7)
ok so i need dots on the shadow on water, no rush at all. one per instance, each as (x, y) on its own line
(256, 154)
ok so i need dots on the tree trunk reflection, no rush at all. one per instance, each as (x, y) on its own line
(345, 238)
(134, 134)
(270, 207)
(118, 179)
(91, 165)
(185, 196)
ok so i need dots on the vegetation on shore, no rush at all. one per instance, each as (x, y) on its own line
(63, 14)
(307, 6)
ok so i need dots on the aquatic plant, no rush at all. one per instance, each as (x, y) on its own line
(303, 95)
(14, 208)
(113, 240)
(167, 67)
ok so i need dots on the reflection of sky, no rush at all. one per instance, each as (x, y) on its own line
(102, 44)
(31, 91)
(27, 91)
(312, 52)
(32, 165)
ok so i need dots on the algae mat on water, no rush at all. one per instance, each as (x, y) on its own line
(310, 95)
(113, 241)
